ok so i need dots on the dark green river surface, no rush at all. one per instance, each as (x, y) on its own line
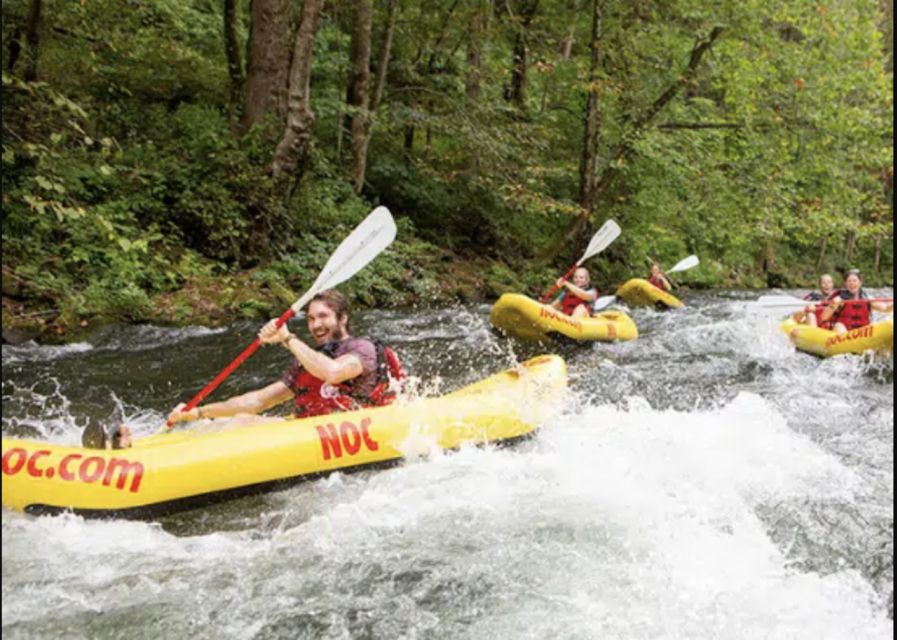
(703, 481)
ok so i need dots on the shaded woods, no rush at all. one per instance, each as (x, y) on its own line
(184, 159)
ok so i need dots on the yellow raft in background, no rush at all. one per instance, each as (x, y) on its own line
(641, 293)
(186, 468)
(527, 319)
(877, 337)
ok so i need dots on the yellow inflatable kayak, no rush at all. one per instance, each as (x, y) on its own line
(527, 319)
(877, 337)
(217, 460)
(641, 293)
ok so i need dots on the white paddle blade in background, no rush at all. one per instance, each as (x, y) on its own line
(601, 240)
(685, 263)
(603, 302)
(373, 235)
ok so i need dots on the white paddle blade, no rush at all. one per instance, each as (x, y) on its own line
(686, 263)
(781, 302)
(373, 235)
(603, 302)
(601, 240)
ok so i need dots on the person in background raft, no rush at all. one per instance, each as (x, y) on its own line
(659, 278)
(577, 300)
(812, 313)
(849, 307)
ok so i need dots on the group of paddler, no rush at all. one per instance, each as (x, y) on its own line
(343, 373)
(843, 309)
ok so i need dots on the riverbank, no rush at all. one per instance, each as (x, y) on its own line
(414, 276)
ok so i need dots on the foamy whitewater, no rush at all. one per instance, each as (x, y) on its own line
(688, 490)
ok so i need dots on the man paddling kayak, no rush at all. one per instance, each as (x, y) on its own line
(341, 374)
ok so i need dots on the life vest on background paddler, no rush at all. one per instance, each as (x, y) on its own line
(657, 281)
(314, 397)
(854, 313)
(570, 301)
(815, 296)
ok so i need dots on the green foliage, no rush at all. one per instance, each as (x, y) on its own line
(123, 181)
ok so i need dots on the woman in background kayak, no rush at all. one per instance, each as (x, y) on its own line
(812, 313)
(658, 278)
(850, 307)
(577, 300)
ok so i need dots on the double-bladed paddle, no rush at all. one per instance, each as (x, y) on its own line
(599, 242)
(781, 302)
(373, 235)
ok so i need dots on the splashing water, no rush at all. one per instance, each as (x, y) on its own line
(704, 481)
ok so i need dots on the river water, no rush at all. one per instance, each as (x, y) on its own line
(704, 481)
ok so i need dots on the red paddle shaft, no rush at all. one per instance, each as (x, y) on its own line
(827, 302)
(556, 287)
(229, 369)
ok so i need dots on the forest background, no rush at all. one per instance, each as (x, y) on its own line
(196, 161)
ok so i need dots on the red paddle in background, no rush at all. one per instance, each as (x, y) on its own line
(373, 235)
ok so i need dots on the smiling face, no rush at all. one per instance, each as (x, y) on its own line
(853, 283)
(323, 323)
(826, 284)
(655, 269)
(581, 278)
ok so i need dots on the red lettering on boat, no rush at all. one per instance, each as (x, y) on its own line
(330, 445)
(854, 334)
(545, 312)
(32, 463)
(124, 468)
(89, 471)
(11, 468)
(349, 438)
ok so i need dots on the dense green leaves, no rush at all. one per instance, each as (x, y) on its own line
(121, 172)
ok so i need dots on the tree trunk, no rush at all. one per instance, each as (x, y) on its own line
(15, 48)
(408, 145)
(521, 55)
(588, 164)
(234, 64)
(822, 247)
(474, 72)
(268, 65)
(32, 37)
(851, 243)
(574, 231)
(358, 96)
(392, 15)
(293, 148)
(878, 255)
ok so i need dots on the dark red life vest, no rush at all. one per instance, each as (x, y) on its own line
(315, 398)
(658, 282)
(570, 301)
(854, 314)
(815, 296)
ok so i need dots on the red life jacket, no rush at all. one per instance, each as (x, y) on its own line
(570, 301)
(818, 297)
(657, 281)
(822, 324)
(854, 314)
(315, 398)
